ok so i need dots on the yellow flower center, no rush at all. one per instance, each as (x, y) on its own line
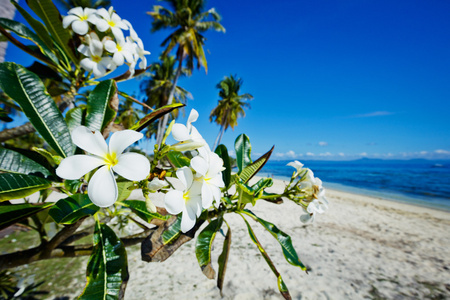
(111, 159)
(111, 23)
(186, 196)
(83, 18)
(96, 58)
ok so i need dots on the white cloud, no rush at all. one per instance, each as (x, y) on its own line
(441, 151)
(363, 154)
(309, 154)
(325, 154)
(423, 152)
(291, 154)
(341, 154)
(323, 144)
(374, 114)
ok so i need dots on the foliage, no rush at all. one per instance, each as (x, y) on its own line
(197, 184)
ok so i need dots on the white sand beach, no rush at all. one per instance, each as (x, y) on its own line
(361, 248)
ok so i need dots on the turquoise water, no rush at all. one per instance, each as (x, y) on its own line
(419, 182)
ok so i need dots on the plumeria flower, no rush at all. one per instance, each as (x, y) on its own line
(140, 52)
(111, 20)
(317, 206)
(122, 50)
(312, 186)
(102, 188)
(95, 62)
(297, 165)
(208, 167)
(79, 18)
(187, 136)
(186, 199)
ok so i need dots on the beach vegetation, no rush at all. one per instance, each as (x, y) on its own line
(75, 194)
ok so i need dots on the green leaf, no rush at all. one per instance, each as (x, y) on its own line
(11, 161)
(51, 159)
(23, 31)
(15, 186)
(203, 247)
(223, 259)
(154, 115)
(73, 186)
(107, 269)
(38, 27)
(13, 213)
(178, 159)
(172, 232)
(4, 116)
(139, 208)
(71, 209)
(75, 117)
(246, 193)
(243, 150)
(250, 170)
(48, 13)
(99, 113)
(281, 285)
(283, 239)
(29, 92)
(259, 187)
(123, 190)
(222, 151)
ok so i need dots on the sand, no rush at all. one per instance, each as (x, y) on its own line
(361, 248)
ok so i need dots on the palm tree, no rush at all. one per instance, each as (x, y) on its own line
(189, 20)
(157, 89)
(231, 105)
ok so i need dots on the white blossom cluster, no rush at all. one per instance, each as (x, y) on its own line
(104, 44)
(312, 193)
(199, 183)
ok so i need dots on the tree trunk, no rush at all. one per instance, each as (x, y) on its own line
(222, 130)
(165, 119)
(16, 132)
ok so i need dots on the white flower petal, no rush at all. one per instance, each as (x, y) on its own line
(75, 166)
(200, 165)
(67, 20)
(174, 202)
(120, 140)
(180, 132)
(207, 196)
(102, 25)
(103, 13)
(87, 64)
(307, 218)
(185, 176)
(215, 164)
(193, 116)
(187, 220)
(78, 11)
(80, 27)
(187, 145)
(157, 184)
(217, 194)
(132, 166)
(98, 70)
(110, 46)
(118, 33)
(118, 59)
(83, 49)
(92, 142)
(102, 188)
(217, 180)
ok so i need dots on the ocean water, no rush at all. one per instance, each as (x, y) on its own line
(420, 182)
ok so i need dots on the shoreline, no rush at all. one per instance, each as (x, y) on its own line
(389, 196)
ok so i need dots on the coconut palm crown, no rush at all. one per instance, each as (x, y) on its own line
(231, 105)
(189, 20)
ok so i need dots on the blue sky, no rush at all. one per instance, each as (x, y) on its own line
(330, 79)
